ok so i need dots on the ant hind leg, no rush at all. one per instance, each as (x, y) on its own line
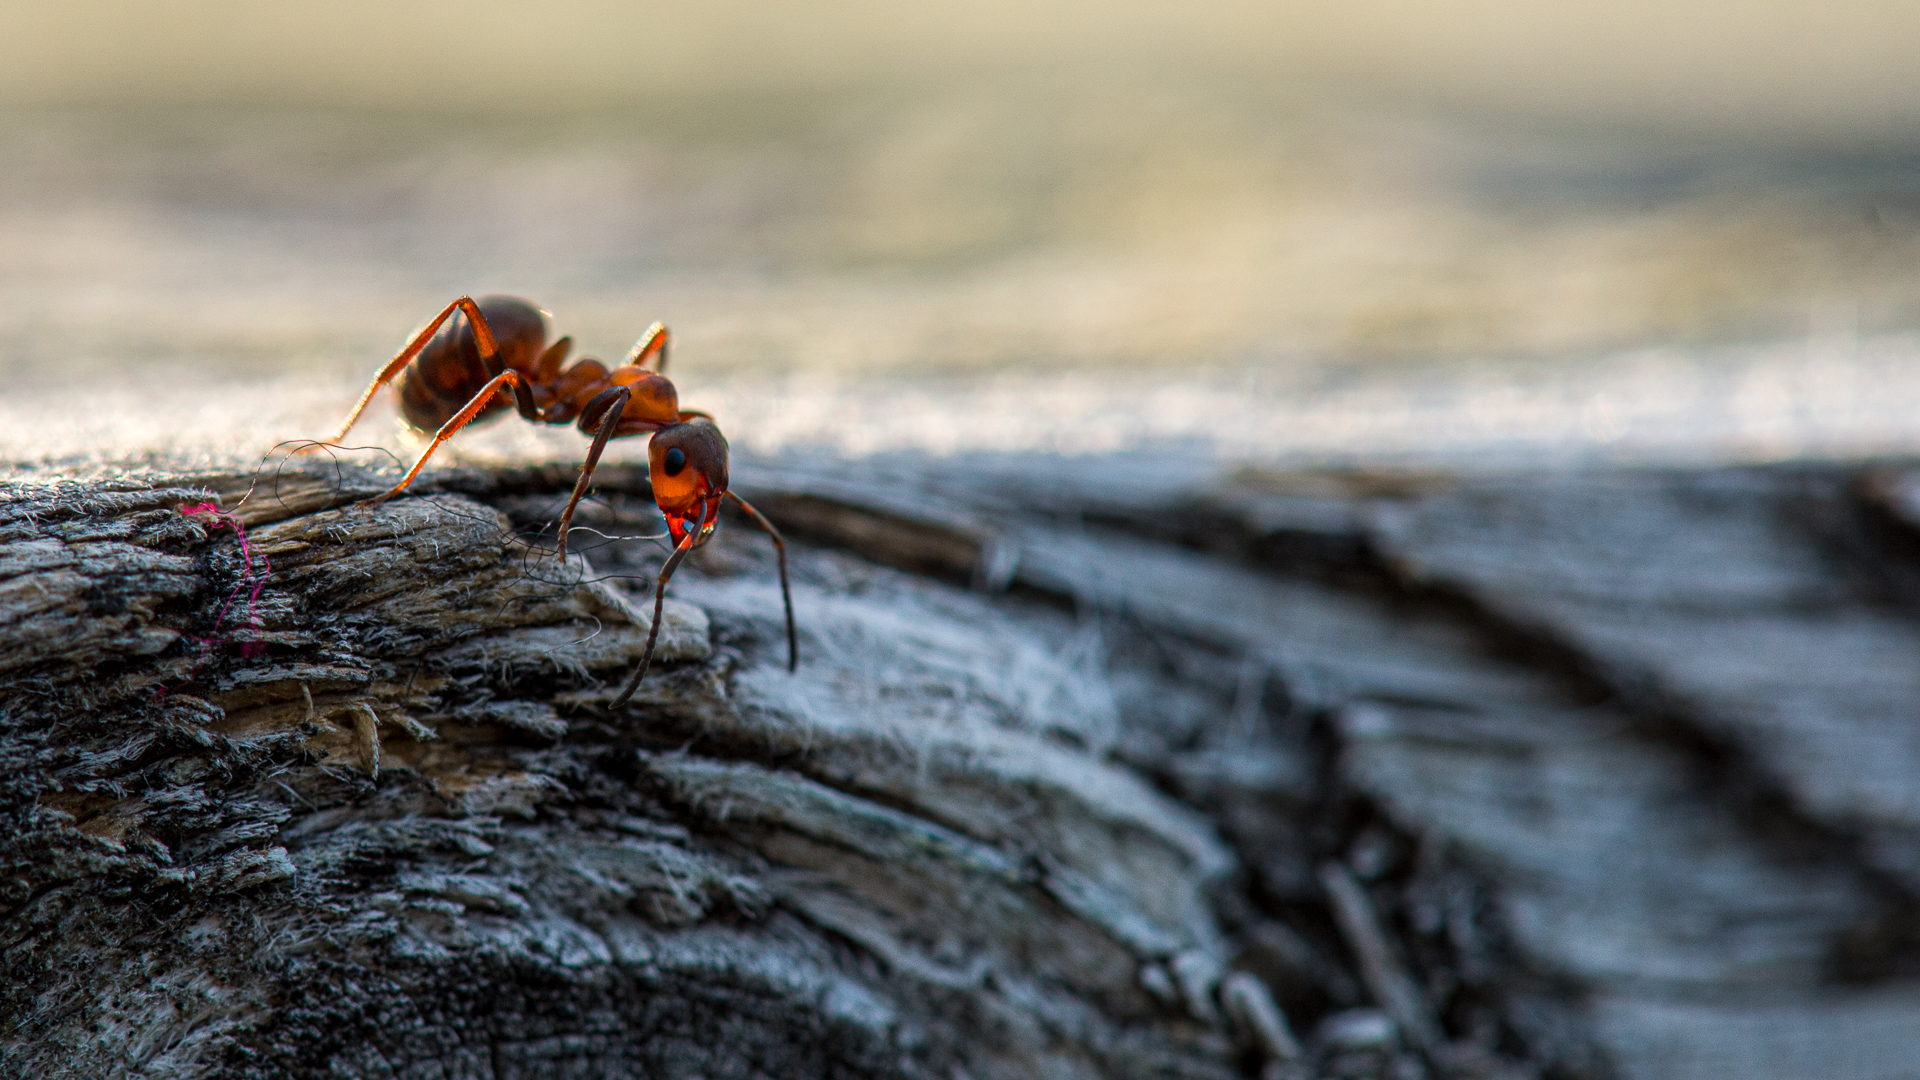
(482, 336)
(550, 361)
(506, 380)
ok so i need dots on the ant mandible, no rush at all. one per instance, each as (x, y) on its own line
(455, 373)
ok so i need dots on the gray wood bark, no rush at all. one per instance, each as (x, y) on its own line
(1098, 767)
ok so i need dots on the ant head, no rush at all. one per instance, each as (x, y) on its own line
(687, 462)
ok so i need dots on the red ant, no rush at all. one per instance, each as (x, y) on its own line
(455, 373)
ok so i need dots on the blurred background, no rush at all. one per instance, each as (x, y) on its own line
(1481, 232)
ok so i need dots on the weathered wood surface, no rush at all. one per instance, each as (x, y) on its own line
(1096, 767)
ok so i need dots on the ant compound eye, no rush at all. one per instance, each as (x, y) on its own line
(676, 460)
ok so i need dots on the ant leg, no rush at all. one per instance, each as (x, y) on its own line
(659, 601)
(523, 397)
(608, 421)
(482, 336)
(786, 594)
(549, 367)
(652, 343)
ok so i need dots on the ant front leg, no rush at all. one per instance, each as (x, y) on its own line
(615, 404)
(659, 607)
(786, 594)
(508, 379)
(482, 336)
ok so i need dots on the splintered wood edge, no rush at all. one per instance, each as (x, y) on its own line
(881, 522)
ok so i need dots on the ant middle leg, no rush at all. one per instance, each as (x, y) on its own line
(507, 380)
(482, 336)
(651, 344)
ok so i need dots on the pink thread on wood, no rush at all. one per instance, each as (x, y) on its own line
(214, 517)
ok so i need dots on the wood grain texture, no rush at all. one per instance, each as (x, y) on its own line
(1089, 769)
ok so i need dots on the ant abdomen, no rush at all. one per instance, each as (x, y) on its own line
(449, 370)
